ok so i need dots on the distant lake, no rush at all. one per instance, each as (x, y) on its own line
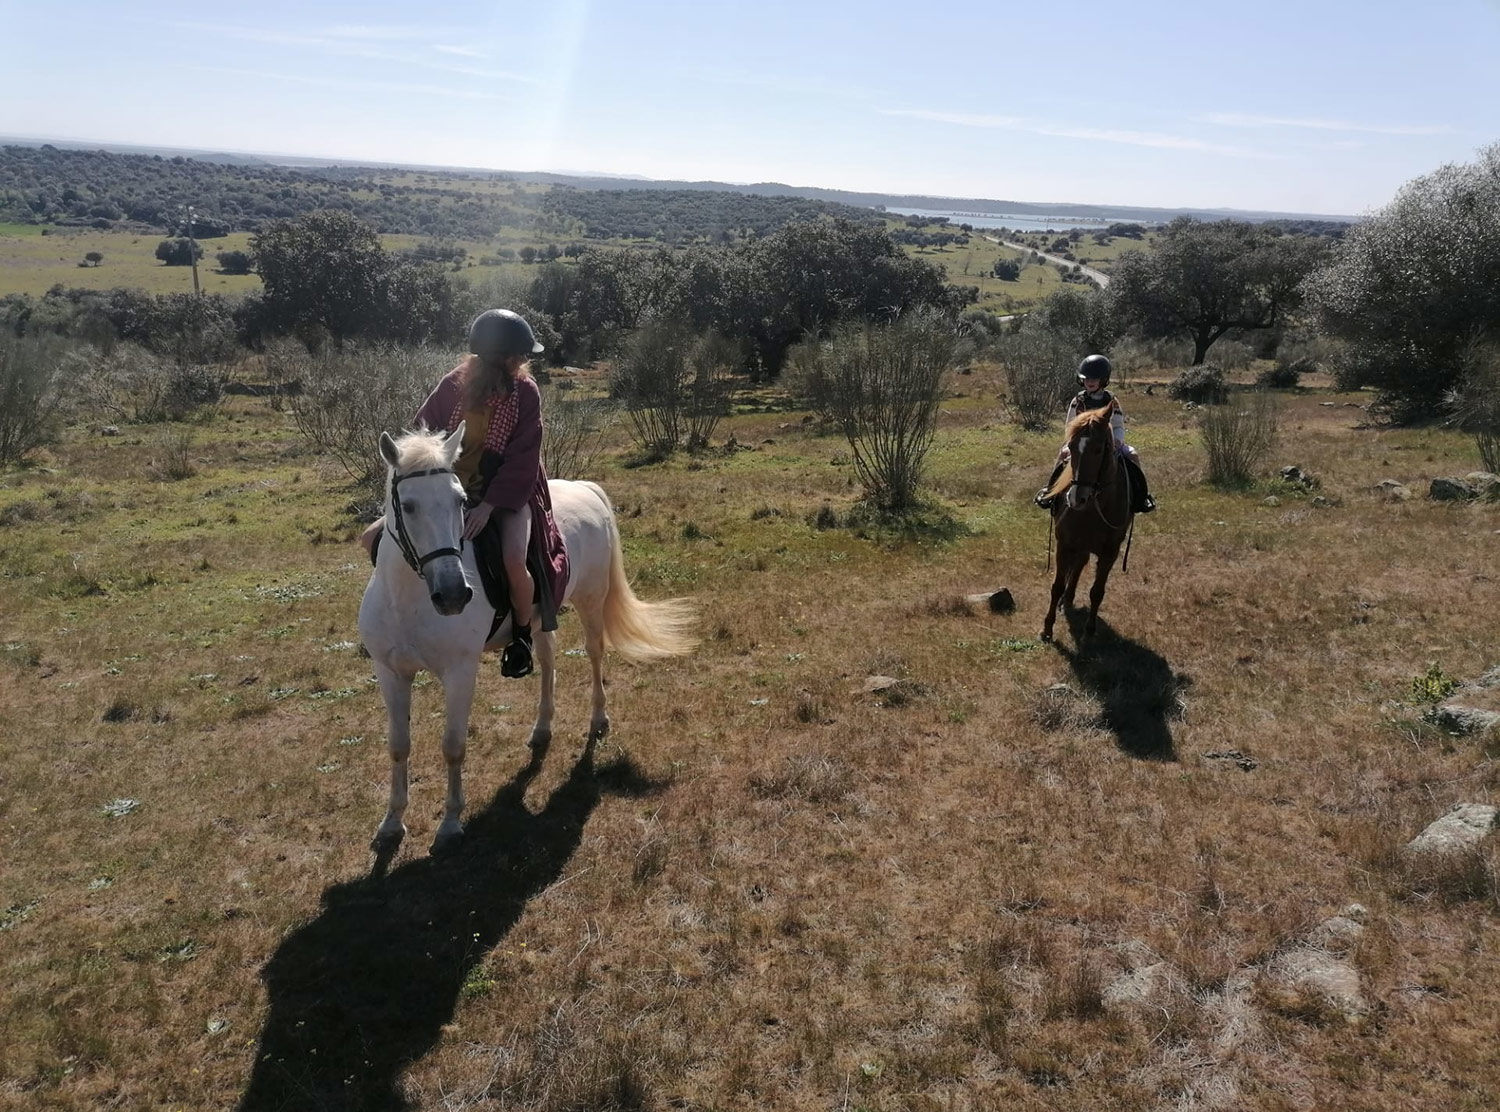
(1017, 222)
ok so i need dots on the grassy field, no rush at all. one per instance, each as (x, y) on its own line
(972, 263)
(779, 883)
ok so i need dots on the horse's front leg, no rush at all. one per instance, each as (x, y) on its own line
(1096, 593)
(1059, 584)
(458, 697)
(396, 691)
(546, 664)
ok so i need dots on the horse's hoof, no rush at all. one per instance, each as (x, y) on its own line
(540, 739)
(447, 842)
(1046, 635)
(387, 841)
(598, 729)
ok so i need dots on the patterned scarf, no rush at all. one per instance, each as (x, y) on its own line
(501, 422)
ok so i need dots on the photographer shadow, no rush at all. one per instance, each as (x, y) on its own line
(1138, 691)
(363, 990)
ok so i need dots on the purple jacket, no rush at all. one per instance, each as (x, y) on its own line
(519, 478)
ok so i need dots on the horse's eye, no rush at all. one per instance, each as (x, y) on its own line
(408, 506)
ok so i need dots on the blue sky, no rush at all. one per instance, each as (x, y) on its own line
(1302, 107)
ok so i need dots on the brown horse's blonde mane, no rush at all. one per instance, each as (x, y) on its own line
(1086, 421)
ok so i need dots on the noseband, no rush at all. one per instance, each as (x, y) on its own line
(398, 523)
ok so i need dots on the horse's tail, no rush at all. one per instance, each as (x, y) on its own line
(634, 628)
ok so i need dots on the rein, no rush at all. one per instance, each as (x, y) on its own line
(398, 524)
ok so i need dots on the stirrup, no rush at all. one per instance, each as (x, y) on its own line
(1148, 506)
(515, 661)
(1042, 499)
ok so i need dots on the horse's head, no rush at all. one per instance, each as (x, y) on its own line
(1091, 455)
(424, 512)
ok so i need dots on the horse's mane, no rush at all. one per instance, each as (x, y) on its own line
(1089, 418)
(420, 449)
(1087, 421)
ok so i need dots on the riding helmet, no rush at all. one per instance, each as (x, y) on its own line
(497, 333)
(1095, 366)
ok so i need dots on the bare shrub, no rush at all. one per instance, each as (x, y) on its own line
(1233, 355)
(31, 393)
(574, 430)
(650, 379)
(881, 385)
(711, 361)
(1040, 373)
(1238, 438)
(174, 458)
(1475, 405)
(350, 396)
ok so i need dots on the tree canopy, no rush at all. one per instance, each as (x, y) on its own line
(1205, 279)
(1413, 287)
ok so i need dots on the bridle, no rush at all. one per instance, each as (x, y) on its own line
(398, 523)
(1100, 479)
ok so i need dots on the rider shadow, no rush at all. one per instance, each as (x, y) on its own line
(363, 990)
(1137, 688)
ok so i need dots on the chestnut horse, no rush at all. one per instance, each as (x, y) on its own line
(1093, 517)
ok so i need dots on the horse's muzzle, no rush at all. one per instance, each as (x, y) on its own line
(449, 603)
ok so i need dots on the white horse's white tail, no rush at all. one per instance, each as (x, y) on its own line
(636, 629)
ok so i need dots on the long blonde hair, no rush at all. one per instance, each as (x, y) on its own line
(483, 379)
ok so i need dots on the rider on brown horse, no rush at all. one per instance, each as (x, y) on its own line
(1093, 377)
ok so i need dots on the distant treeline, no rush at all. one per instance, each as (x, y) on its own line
(49, 185)
(674, 216)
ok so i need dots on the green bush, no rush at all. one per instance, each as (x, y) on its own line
(1202, 385)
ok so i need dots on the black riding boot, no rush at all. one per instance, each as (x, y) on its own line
(515, 661)
(1043, 499)
(1141, 500)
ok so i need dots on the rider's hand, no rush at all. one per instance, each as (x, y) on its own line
(475, 519)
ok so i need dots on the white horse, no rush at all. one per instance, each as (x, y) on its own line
(421, 610)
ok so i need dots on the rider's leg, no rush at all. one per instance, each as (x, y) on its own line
(515, 541)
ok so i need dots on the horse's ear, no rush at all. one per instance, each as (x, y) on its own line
(388, 448)
(454, 444)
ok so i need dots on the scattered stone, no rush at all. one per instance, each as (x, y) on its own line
(1392, 491)
(1340, 934)
(1316, 977)
(1451, 490)
(1273, 501)
(879, 683)
(1296, 475)
(1461, 829)
(1320, 502)
(1243, 762)
(110, 430)
(999, 602)
(1486, 484)
(1147, 986)
(1459, 719)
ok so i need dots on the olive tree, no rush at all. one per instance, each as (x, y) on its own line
(1411, 289)
(1205, 279)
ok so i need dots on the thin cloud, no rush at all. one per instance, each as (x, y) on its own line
(1244, 119)
(324, 81)
(369, 43)
(1068, 131)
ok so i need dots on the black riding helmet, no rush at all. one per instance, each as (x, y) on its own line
(1094, 366)
(497, 333)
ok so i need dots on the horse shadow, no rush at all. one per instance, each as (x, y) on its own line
(364, 989)
(1139, 692)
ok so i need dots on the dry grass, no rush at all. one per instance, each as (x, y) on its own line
(776, 885)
